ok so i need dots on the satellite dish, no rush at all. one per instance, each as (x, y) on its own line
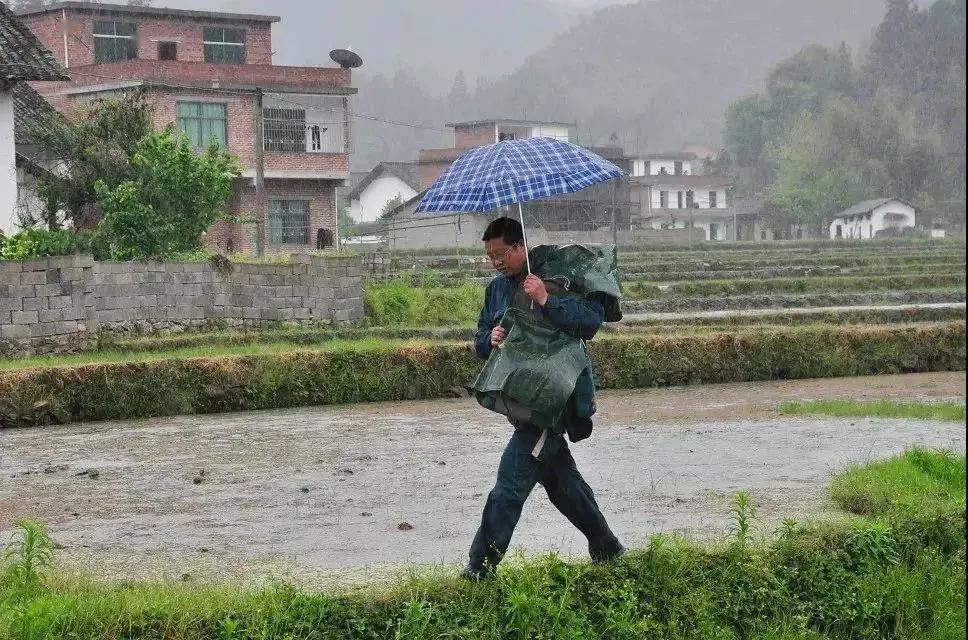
(346, 58)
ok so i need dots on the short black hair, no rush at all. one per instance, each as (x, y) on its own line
(508, 229)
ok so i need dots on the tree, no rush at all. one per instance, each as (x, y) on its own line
(808, 189)
(391, 204)
(94, 143)
(172, 195)
(459, 98)
(345, 223)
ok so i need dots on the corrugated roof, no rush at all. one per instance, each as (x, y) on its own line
(406, 171)
(103, 7)
(866, 206)
(22, 56)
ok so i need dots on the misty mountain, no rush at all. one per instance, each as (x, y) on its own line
(660, 73)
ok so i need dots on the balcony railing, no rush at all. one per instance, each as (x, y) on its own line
(290, 132)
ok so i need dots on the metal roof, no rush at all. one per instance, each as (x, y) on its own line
(22, 56)
(163, 12)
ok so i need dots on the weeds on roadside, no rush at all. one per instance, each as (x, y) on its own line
(27, 556)
(744, 512)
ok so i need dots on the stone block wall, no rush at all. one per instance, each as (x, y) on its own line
(44, 304)
(60, 304)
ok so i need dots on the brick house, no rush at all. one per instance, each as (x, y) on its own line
(467, 135)
(212, 74)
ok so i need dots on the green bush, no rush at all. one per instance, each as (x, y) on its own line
(172, 195)
(118, 390)
(41, 243)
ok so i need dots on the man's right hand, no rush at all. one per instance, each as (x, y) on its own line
(498, 334)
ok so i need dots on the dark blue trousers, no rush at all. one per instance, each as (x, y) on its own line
(517, 474)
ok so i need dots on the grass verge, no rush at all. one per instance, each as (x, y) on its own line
(917, 481)
(381, 370)
(897, 573)
(848, 407)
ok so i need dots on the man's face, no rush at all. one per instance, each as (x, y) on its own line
(508, 259)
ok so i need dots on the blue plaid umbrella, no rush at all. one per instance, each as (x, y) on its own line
(515, 171)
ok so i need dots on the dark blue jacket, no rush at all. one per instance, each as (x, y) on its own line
(576, 315)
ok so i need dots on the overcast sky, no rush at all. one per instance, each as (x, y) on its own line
(431, 38)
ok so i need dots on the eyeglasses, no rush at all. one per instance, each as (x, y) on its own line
(500, 255)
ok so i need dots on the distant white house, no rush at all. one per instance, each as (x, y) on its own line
(865, 219)
(385, 182)
(672, 194)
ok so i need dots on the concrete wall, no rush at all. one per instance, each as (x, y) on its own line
(59, 304)
(700, 197)
(8, 164)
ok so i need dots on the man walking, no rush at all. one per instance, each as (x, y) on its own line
(519, 469)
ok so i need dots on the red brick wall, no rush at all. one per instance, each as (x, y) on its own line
(253, 75)
(306, 162)
(430, 171)
(241, 119)
(474, 136)
(244, 204)
(187, 32)
(241, 132)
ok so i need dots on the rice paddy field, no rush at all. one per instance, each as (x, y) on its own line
(125, 483)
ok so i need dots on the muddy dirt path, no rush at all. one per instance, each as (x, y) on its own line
(318, 494)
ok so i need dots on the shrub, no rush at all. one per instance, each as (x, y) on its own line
(40, 243)
(173, 194)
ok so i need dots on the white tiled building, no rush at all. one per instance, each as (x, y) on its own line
(865, 219)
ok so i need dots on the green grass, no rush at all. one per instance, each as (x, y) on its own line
(896, 573)
(206, 351)
(916, 481)
(401, 302)
(848, 407)
(814, 284)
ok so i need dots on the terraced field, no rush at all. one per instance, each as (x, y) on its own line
(742, 278)
(711, 315)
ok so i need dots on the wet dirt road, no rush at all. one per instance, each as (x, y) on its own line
(320, 493)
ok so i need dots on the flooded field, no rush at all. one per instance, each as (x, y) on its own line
(325, 492)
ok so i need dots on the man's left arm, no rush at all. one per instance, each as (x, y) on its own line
(567, 312)
(584, 314)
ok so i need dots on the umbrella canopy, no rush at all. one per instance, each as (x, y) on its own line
(515, 171)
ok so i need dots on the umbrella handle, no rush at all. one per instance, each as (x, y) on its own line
(524, 237)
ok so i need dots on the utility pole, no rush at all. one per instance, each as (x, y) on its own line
(692, 225)
(614, 221)
(260, 177)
